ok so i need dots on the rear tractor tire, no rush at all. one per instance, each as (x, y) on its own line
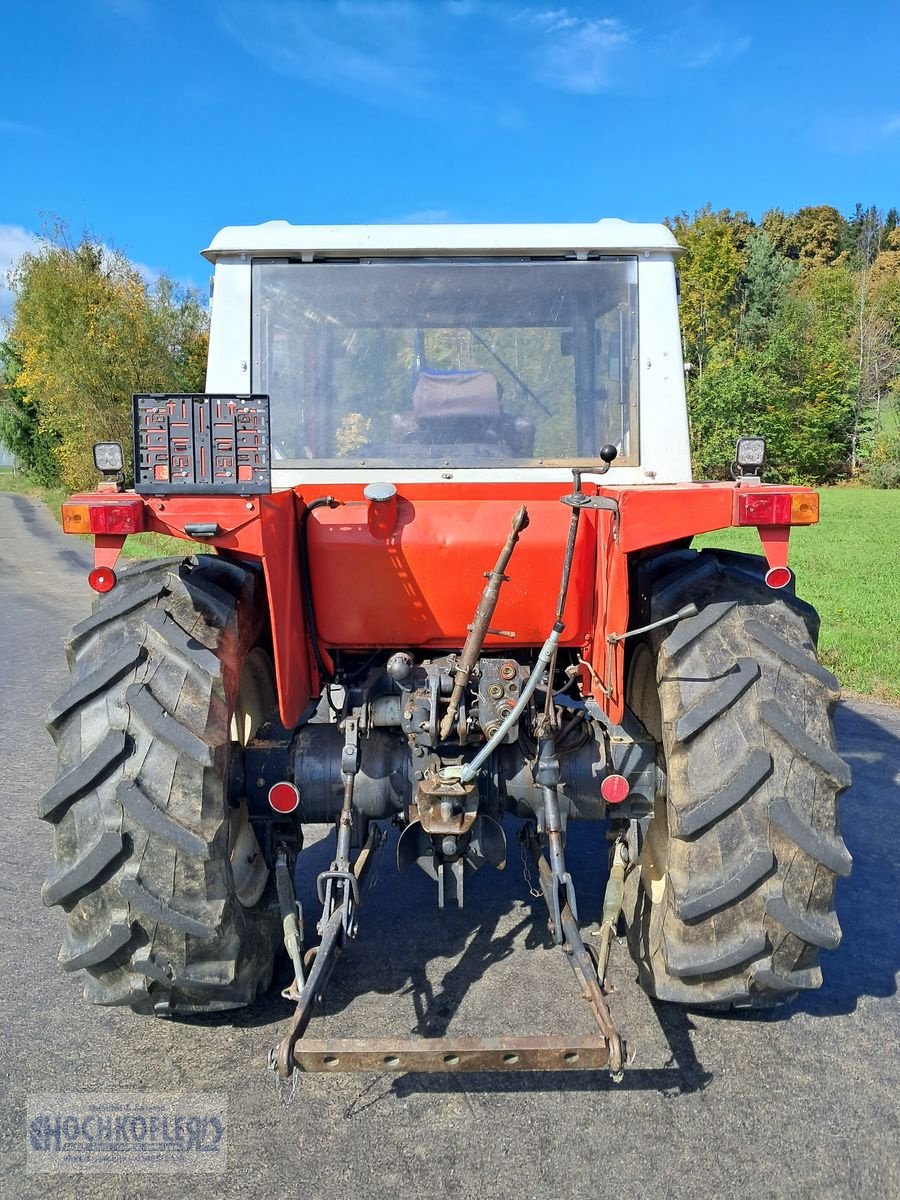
(733, 894)
(167, 899)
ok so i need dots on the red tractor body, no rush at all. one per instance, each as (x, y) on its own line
(410, 574)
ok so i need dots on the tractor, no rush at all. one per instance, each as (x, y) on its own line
(440, 491)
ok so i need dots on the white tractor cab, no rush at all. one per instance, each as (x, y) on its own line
(455, 352)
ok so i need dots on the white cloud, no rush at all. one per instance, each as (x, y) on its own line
(149, 275)
(590, 55)
(555, 19)
(374, 51)
(137, 11)
(580, 54)
(465, 55)
(724, 51)
(856, 134)
(14, 242)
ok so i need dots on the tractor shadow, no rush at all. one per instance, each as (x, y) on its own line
(409, 950)
(414, 968)
(868, 902)
(404, 938)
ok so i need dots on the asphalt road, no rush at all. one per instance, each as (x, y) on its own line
(801, 1103)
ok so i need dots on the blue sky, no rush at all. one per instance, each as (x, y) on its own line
(155, 122)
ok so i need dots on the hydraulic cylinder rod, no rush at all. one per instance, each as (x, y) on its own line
(478, 630)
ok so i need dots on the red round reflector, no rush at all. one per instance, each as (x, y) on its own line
(614, 789)
(779, 577)
(283, 797)
(102, 579)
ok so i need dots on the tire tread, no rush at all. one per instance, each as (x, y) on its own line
(139, 808)
(744, 861)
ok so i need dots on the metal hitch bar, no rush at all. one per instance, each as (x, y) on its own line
(452, 1054)
(535, 1053)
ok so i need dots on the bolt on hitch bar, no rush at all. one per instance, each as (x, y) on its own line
(537, 1053)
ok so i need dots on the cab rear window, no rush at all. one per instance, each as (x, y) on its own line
(451, 363)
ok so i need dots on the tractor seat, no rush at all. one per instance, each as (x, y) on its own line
(456, 395)
(463, 409)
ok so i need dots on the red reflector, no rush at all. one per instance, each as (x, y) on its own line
(102, 579)
(764, 508)
(283, 797)
(614, 789)
(126, 516)
(779, 577)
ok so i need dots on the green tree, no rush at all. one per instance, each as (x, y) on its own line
(710, 273)
(877, 350)
(795, 387)
(32, 446)
(763, 288)
(891, 223)
(87, 333)
(863, 235)
(819, 372)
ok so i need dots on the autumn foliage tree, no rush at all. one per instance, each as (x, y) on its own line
(792, 332)
(88, 332)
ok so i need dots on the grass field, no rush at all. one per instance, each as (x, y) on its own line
(847, 566)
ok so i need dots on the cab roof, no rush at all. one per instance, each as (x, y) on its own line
(280, 239)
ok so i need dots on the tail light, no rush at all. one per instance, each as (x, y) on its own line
(777, 508)
(119, 516)
(284, 797)
(614, 789)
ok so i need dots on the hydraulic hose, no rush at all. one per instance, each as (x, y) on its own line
(306, 583)
(548, 650)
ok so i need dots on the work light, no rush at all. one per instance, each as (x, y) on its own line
(749, 456)
(108, 458)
